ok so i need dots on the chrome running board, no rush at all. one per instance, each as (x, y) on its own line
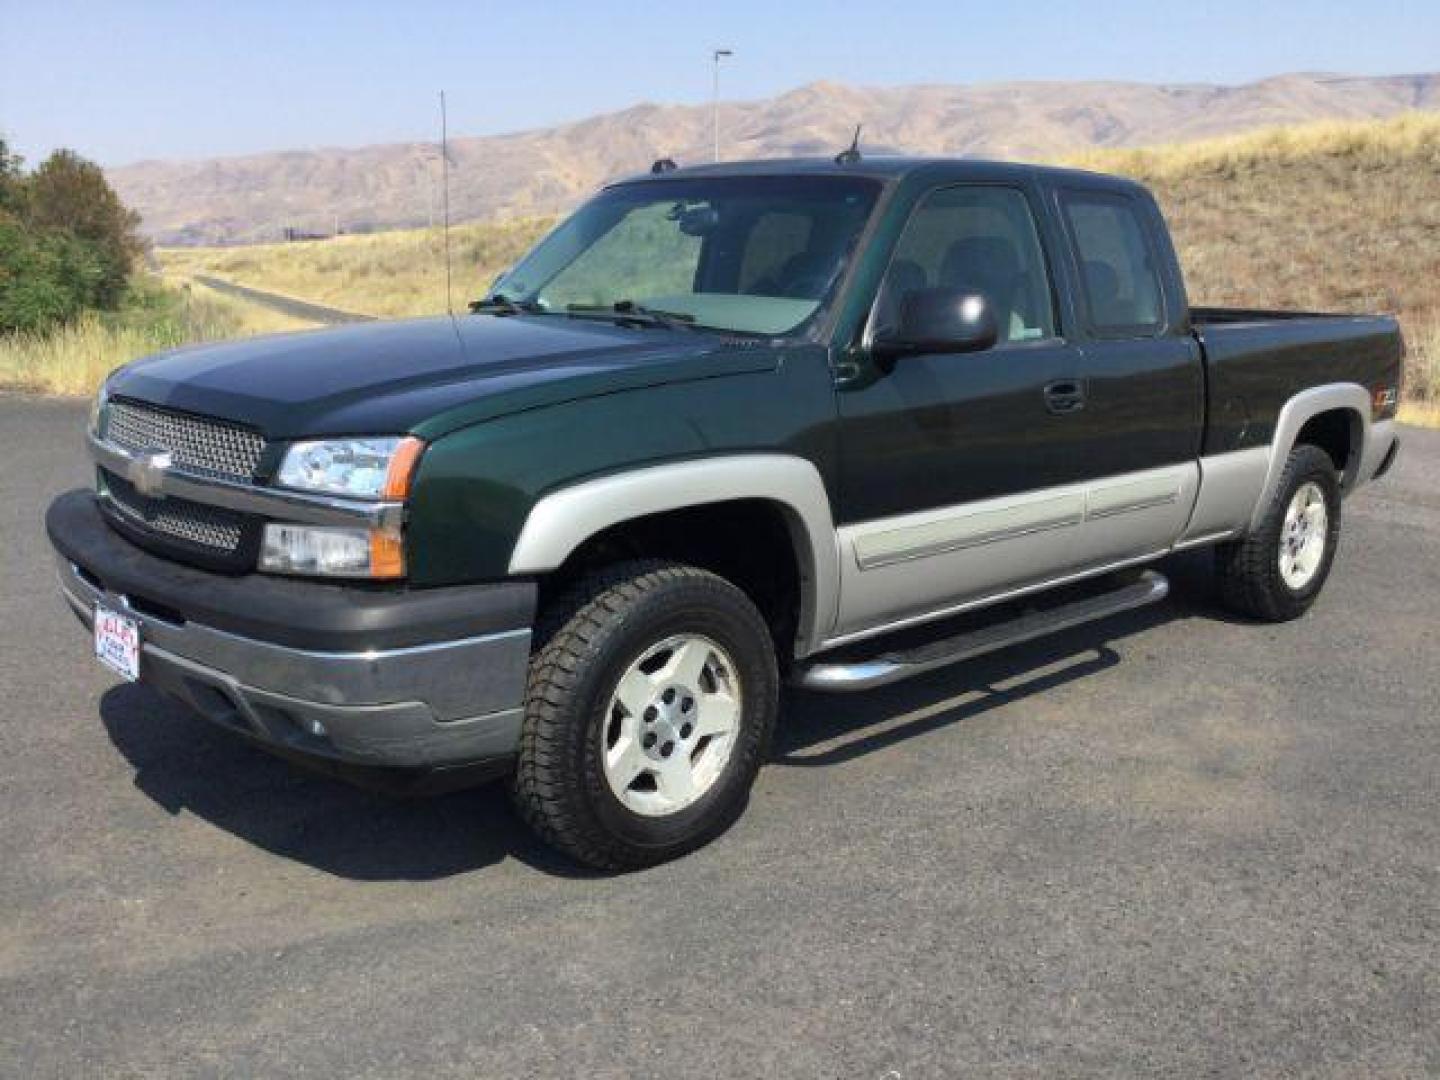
(863, 674)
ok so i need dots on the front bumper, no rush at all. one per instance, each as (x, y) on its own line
(409, 679)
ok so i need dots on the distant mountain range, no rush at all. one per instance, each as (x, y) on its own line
(254, 198)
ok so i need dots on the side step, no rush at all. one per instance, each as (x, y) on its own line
(865, 673)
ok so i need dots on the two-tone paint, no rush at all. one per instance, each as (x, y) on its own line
(911, 489)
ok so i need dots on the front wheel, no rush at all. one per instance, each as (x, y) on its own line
(1277, 570)
(652, 697)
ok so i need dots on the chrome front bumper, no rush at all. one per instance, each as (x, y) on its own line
(447, 703)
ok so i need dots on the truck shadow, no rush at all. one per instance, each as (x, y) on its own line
(186, 766)
(820, 729)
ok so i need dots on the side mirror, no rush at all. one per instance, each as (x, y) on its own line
(939, 321)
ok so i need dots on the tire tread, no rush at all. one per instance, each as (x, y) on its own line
(567, 636)
(1248, 574)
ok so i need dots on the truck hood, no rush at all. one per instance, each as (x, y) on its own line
(427, 376)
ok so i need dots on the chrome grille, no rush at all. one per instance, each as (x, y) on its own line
(197, 444)
(210, 527)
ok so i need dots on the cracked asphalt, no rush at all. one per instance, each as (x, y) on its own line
(1170, 842)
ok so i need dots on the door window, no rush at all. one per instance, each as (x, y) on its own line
(976, 239)
(1122, 287)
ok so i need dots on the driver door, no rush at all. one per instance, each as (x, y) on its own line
(961, 475)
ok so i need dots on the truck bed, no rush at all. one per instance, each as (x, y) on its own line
(1256, 360)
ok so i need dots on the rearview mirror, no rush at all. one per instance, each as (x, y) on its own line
(699, 221)
(939, 321)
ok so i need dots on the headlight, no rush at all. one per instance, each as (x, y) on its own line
(331, 551)
(375, 468)
(97, 409)
(378, 468)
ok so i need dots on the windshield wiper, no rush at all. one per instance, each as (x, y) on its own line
(500, 304)
(631, 312)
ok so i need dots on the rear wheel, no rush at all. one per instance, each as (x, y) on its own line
(652, 696)
(1277, 570)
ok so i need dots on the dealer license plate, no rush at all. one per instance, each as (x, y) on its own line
(117, 642)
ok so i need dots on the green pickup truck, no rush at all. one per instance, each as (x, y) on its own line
(831, 422)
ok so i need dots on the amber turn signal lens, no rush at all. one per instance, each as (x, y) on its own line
(387, 554)
(401, 472)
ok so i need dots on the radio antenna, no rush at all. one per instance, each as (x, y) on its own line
(851, 154)
(445, 197)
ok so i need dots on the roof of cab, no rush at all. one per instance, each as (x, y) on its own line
(886, 168)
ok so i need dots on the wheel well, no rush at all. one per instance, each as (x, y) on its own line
(1338, 433)
(746, 541)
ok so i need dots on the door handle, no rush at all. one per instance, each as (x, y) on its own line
(1065, 396)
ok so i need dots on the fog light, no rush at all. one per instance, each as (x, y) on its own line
(315, 727)
(331, 551)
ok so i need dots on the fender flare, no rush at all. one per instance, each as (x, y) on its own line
(1303, 407)
(564, 519)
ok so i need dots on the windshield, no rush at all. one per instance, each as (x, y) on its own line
(754, 254)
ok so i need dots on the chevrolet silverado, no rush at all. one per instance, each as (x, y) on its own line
(831, 422)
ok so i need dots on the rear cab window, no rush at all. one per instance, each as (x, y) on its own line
(1119, 271)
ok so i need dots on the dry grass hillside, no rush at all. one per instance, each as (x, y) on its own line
(1328, 216)
(391, 274)
(252, 199)
(75, 358)
(1342, 216)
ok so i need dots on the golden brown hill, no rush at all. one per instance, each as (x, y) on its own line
(253, 199)
(1327, 216)
(1342, 216)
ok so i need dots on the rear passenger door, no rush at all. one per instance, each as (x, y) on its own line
(1141, 370)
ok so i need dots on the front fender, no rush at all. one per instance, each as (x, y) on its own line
(477, 488)
(565, 519)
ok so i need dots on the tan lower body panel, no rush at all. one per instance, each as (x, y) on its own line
(904, 569)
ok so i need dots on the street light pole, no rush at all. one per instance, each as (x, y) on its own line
(715, 95)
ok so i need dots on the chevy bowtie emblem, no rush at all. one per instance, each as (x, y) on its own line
(147, 471)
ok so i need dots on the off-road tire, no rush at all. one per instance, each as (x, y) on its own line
(585, 640)
(1249, 568)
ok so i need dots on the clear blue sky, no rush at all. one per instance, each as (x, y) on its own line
(121, 80)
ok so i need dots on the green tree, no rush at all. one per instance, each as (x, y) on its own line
(10, 177)
(45, 279)
(69, 195)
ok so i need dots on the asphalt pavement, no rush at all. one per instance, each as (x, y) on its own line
(285, 305)
(1171, 842)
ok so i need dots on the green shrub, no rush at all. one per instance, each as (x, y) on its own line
(67, 243)
(46, 279)
(69, 196)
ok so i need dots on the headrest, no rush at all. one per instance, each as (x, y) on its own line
(905, 276)
(986, 260)
(1103, 282)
